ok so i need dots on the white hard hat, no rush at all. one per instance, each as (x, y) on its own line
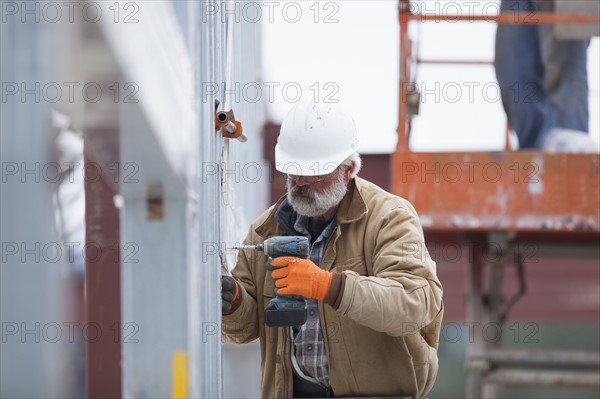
(315, 138)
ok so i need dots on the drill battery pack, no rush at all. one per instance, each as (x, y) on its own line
(282, 312)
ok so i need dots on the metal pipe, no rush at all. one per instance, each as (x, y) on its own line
(563, 358)
(545, 378)
(403, 117)
(476, 364)
(204, 303)
(455, 62)
(230, 127)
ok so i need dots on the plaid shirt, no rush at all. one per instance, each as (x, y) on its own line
(309, 348)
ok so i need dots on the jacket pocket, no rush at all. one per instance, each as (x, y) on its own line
(269, 286)
(356, 264)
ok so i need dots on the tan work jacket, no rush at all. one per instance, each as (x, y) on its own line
(383, 339)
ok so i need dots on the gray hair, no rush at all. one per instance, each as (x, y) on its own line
(354, 158)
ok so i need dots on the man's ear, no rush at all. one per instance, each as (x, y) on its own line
(348, 172)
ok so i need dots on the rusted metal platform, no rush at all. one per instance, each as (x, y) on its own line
(522, 193)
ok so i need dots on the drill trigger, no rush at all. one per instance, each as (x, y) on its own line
(269, 267)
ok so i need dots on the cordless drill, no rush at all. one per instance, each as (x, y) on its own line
(283, 310)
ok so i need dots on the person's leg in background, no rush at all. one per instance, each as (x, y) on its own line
(520, 74)
(566, 84)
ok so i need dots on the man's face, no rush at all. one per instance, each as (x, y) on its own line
(313, 196)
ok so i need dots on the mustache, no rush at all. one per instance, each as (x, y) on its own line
(308, 201)
(304, 191)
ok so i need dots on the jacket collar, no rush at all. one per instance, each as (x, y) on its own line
(352, 208)
(286, 217)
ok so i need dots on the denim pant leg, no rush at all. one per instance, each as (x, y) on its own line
(520, 74)
(565, 76)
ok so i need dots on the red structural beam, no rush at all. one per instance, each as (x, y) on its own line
(527, 18)
(453, 62)
(102, 269)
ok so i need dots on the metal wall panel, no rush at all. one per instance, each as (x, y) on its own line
(32, 353)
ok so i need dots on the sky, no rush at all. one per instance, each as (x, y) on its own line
(349, 51)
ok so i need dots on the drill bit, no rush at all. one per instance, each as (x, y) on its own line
(257, 247)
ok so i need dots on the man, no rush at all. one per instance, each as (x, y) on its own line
(543, 82)
(374, 300)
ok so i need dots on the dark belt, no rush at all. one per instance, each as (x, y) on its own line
(307, 389)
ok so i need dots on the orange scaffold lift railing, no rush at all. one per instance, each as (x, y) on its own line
(525, 200)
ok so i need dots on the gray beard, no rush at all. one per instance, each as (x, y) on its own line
(309, 202)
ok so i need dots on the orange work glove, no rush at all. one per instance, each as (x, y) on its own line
(297, 276)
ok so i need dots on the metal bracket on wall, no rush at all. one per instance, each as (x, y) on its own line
(155, 206)
(231, 129)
